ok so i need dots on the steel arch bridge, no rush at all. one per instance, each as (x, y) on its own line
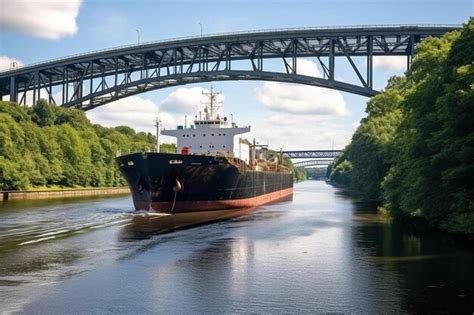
(309, 163)
(312, 154)
(94, 79)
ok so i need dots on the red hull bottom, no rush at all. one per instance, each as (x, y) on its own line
(192, 206)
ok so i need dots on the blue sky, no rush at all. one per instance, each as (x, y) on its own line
(74, 27)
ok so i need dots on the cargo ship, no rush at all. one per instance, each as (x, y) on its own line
(214, 169)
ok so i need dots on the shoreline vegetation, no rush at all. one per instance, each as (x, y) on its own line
(414, 152)
(47, 147)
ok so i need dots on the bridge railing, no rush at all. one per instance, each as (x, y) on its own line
(215, 35)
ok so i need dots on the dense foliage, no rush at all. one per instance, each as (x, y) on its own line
(299, 173)
(47, 145)
(415, 149)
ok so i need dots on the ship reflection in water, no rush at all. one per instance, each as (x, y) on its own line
(146, 224)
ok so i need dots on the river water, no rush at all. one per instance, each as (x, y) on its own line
(323, 251)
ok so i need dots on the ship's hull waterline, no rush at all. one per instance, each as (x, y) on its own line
(174, 183)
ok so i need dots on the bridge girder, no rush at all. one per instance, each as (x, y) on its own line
(309, 163)
(94, 79)
(312, 154)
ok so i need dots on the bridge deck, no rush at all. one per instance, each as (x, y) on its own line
(93, 79)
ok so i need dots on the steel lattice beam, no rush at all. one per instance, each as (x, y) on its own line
(312, 154)
(313, 163)
(94, 79)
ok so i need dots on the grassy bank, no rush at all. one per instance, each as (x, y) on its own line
(61, 193)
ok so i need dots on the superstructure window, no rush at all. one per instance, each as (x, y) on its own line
(212, 135)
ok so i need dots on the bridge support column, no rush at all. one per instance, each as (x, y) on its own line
(370, 46)
(77, 87)
(411, 51)
(50, 90)
(332, 59)
(13, 90)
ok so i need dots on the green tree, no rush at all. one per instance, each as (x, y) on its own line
(415, 149)
(43, 113)
(50, 145)
(341, 173)
(435, 164)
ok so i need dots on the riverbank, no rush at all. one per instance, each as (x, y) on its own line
(61, 193)
(413, 223)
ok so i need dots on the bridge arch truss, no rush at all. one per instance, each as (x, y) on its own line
(309, 163)
(90, 80)
(312, 154)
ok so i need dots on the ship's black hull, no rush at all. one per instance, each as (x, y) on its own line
(183, 183)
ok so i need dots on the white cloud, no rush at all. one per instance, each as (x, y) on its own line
(301, 117)
(302, 99)
(134, 111)
(50, 19)
(186, 101)
(6, 63)
(308, 67)
(390, 63)
(299, 132)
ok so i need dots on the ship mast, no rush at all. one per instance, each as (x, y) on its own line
(213, 105)
(157, 125)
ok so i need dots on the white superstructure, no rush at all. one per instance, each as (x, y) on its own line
(212, 135)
